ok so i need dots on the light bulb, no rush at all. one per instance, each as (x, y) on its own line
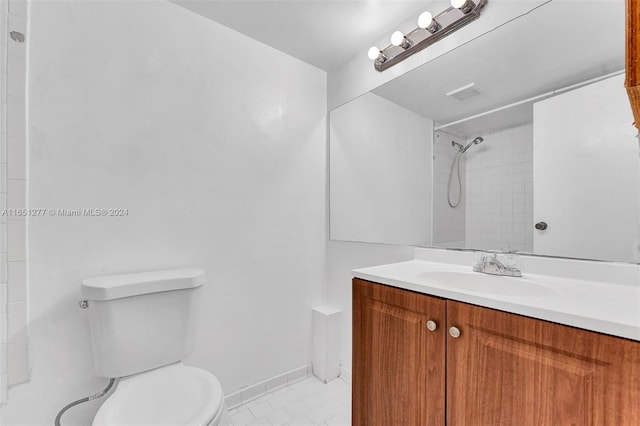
(400, 40)
(374, 53)
(397, 38)
(464, 5)
(425, 19)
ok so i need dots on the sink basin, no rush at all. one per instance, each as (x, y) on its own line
(474, 282)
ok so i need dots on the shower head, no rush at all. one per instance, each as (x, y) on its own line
(473, 142)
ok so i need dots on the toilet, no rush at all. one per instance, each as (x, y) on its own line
(142, 327)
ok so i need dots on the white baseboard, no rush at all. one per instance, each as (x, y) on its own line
(345, 374)
(249, 393)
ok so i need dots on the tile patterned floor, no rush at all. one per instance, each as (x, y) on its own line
(306, 403)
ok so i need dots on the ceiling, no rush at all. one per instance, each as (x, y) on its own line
(554, 46)
(324, 33)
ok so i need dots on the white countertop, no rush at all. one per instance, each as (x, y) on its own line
(611, 308)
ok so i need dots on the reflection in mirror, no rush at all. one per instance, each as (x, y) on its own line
(496, 182)
(380, 173)
(533, 148)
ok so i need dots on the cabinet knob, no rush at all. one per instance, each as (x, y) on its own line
(454, 332)
(432, 325)
(541, 226)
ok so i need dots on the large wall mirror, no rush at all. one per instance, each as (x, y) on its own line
(520, 140)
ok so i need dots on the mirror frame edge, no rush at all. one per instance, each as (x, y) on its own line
(632, 80)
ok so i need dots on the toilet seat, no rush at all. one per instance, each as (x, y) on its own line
(172, 395)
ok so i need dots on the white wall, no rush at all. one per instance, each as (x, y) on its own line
(586, 174)
(499, 187)
(343, 257)
(216, 146)
(360, 162)
(380, 173)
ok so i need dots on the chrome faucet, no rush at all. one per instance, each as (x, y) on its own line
(490, 264)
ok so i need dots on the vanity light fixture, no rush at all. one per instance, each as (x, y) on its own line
(430, 29)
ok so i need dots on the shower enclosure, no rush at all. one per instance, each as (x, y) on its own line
(483, 194)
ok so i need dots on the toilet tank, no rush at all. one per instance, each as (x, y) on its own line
(141, 321)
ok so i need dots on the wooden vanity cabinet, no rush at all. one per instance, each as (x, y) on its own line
(502, 369)
(506, 369)
(398, 365)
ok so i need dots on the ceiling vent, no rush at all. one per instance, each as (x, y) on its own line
(465, 92)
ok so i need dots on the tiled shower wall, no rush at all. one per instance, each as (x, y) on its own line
(499, 189)
(496, 209)
(448, 222)
(13, 199)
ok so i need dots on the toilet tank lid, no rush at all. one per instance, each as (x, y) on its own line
(110, 287)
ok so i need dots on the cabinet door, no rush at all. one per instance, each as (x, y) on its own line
(398, 363)
(506, 369)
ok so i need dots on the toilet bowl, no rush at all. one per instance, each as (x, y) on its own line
(171, 395)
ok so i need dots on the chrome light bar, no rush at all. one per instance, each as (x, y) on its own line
(430, 30)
